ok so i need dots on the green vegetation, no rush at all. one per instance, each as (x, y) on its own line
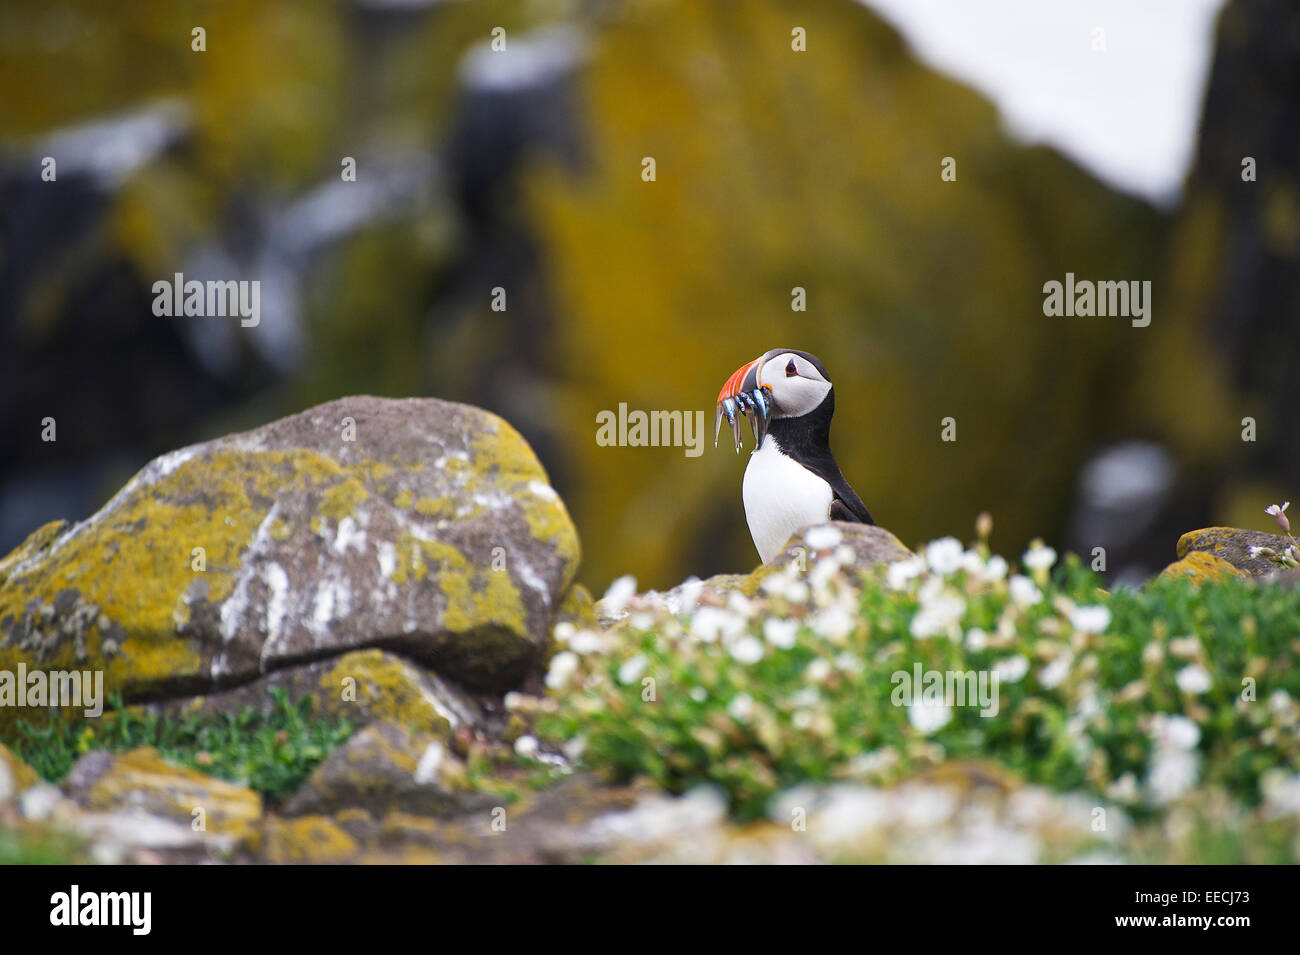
(1138, 697)
(272, 752)
(49, 847)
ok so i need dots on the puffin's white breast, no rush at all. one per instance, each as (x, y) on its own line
(781, 496)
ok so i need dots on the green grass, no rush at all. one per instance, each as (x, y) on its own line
(49, 847)
(1107, 719)
(272, 752)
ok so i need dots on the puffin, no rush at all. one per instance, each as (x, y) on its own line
(791, 480)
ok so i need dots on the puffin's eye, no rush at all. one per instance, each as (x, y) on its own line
(790, 369)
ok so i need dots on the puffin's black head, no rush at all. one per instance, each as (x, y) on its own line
(781, 383)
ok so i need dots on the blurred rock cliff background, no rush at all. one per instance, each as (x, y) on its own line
(521, 169)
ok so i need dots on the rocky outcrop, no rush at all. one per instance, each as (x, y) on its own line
(1232, 545)
(869, 546)
(141, 781)
(420, 527)
(1201, 566)
(363, 687)
(386, 768)
(863, 548)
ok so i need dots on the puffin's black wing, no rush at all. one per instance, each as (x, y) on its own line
(847, 506)
(845, 503)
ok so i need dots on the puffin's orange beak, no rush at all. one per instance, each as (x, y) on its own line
(732, 387)
(742, 395)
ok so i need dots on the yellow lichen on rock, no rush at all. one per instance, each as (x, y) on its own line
(309, 839)
(1202, 566)
(15, 775)
(141, 778)
(386, 688)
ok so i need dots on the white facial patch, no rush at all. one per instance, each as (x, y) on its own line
(794, 394)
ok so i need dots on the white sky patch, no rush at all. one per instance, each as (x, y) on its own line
(1129, 115)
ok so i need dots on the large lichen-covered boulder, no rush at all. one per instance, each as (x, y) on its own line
(420, 526)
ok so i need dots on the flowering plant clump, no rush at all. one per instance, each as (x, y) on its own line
(1289, 557)
(829, 673)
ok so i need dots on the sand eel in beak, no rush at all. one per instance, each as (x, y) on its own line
(791, 480)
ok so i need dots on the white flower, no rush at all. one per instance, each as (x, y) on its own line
(619, 593)
(1040, 557)
(740, 605)
(929, 717)
(846, 555)
(976, 640)
(780, 633)
(747, 649)
(944, 555)
(563, 631)
(822, 572)
(818, 670)
(775, 585)
(848, 663)
(1090, 619)
(900, 572)
(562, 666)
(1176, 732)
(823, 537)
(741, 707)
(699, 694)
(1193, 678)
(513, 700)
(710, 623)
(1011, 669)
(526, 746)
(1280, 514)
(1024, 591)
(995, 569)
(806, 697)
(1281, 792)
(632, 669)
(1055, 672)
(939, 615)
(796, 591)
(587, 641)
(834, 623)
(1173, 772)
(689, 595)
